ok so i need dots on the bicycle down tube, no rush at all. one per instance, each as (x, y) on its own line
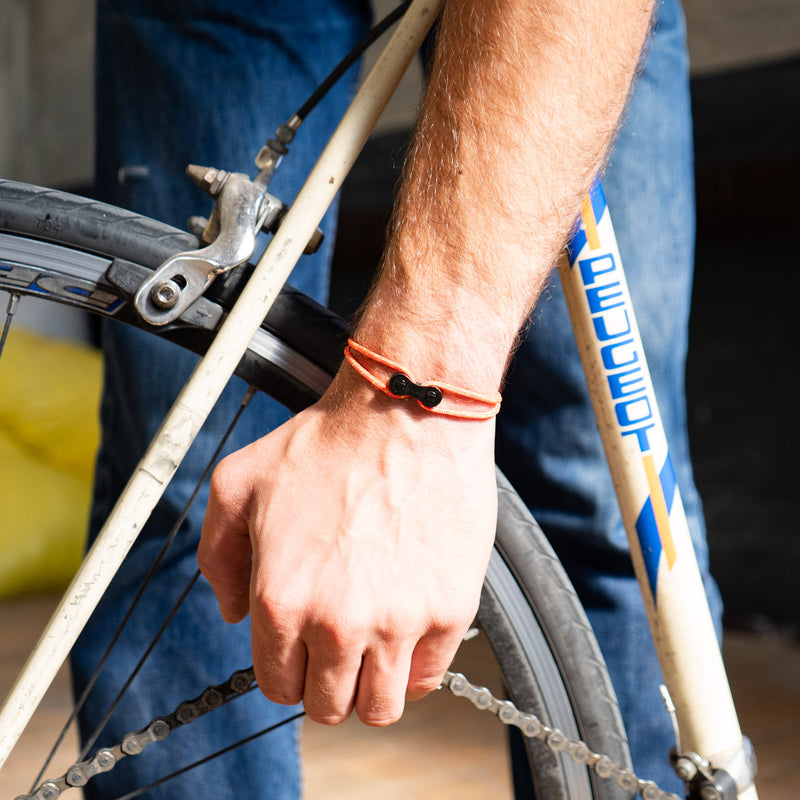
(636, 449)
(212, 373)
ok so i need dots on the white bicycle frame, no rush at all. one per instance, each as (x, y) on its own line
(621, 392)
(636, 448)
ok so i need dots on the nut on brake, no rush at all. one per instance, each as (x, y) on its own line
(209, 179)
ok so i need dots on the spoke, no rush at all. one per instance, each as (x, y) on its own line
(11, 309)
(159, 633)
(145, 583)
(141, 790)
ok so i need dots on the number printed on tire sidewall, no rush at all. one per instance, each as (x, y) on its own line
(47, 224)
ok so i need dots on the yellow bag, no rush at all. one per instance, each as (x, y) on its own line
(49, 432)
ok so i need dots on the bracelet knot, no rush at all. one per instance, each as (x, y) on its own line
(430, 395)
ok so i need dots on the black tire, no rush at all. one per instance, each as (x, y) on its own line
(91, 255)
(73, 250)
(547, 653)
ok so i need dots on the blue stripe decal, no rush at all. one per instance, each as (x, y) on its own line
(647, 529)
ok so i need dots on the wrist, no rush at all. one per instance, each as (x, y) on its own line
(463, 344)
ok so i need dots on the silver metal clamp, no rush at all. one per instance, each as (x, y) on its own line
(181, 279)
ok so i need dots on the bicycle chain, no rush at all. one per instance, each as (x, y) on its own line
(533, 728)
(106, 758)
(243, 681)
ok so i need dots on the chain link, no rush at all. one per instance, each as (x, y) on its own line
(106, 758)
(533, 728)
(242, 681)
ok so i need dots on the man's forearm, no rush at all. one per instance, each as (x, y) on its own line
(357, 534)
(523, 102)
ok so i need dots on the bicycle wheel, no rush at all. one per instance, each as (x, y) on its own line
(67, 249)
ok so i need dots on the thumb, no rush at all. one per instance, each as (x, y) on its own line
(225, 553)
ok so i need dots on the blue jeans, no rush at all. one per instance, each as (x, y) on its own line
(207, 83)
(204, 82)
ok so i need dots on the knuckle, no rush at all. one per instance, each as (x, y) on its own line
(445, 623)
(337, 636)
(282, 695)
(221, 480)
(276, 618)
(276, 685)
(379, 710)
(322, 705)
(396, 627)
(226, 485)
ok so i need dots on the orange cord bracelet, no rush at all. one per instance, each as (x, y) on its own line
(428, 396)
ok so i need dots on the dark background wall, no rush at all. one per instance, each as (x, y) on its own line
(742, 372)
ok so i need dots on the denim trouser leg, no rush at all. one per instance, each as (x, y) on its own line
(187, 82)
(204, 82)
(547, 442)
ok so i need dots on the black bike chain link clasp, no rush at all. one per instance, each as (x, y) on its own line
(400, 385)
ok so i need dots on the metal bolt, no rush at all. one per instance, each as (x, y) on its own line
(209, 179)
(76, 777)
(213, 698)
(132, 745)
(241, 682)
(166, 294)
(628, 781)
(604, 767)
(49, 790)
(507, 712)
(580, 753)
(185, 713)
(160, 729)
(685, 769)
(105, 760)
(458, 684)
(483, 698)
(533, 727)
(556, 741)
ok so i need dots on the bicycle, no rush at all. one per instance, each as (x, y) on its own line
(295, 371)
